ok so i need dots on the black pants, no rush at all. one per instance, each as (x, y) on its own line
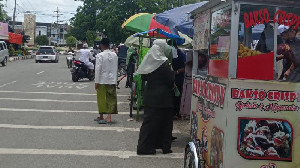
(156, 130)
(177, 100)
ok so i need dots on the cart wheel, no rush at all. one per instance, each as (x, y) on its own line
(189, 159)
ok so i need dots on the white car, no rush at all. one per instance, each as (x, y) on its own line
(3, 53)
(46, 53)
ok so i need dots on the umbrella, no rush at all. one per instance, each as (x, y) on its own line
(177, 18)
(163, 34)
(134, 41)
(142, 22)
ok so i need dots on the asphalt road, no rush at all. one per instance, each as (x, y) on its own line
(46, 120)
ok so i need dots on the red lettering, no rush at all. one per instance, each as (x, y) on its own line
(294, 20)
(234, 93)
(298, 23)
(199, 87)
(275, 16)
(217, 94)
(246, 20)
(281, 17)
(281, 95)
(262, 95)
(222, 96)
(290, 15)
(256, 17)
(251, 19)
(208, 90)
(202, 89)
(255, 94)
(292, 96)
(270, 95)
(261, 17)
(266, 15)
(249, 94)
(276, 96)
(287, 96)
(242, 94)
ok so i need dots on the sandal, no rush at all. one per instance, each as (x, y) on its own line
(102, 122)
(97, 119)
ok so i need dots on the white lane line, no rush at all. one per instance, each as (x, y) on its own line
(88, 128)
(52, 100)
(52, 111)
(40, 72)
(107, 153)
(8, 84)
(55, 93)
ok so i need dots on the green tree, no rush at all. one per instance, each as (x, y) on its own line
(71, 41)
(91, 37)
(42, 40)
(3, 14)
(107, 16)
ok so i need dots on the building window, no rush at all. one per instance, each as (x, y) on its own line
(40, 33)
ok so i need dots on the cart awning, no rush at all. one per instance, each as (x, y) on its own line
(153, 34)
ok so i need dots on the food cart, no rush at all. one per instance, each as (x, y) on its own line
(241, 115)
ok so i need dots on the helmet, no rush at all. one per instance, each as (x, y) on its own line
(85, 45)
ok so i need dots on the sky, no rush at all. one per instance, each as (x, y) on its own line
(44, 9)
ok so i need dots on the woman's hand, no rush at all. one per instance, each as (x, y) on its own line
(287, 73)
(96, 86)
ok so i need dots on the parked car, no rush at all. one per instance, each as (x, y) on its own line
(46, 53)
(3, 53)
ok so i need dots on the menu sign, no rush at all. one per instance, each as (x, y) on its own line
(201, 31)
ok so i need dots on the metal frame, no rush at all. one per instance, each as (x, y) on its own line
(235, 15)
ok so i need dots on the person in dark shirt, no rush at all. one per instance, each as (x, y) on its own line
(178, 65)
(293, 73)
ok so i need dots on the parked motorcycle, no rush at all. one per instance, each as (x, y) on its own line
(81, 71)
(70, 59)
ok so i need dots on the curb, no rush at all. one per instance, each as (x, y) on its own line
(11, 59)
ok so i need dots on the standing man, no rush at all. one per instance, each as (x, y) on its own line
(97, 50)
(105, 82)
(178, 65)
(86, 56)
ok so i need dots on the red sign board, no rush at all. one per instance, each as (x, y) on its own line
(263, 16)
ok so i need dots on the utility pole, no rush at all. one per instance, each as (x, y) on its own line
(57, 16)
(14, 16)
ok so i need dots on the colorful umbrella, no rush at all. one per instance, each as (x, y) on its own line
(142, 22)
(176, 19)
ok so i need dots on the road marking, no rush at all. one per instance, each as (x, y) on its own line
(52, 100)
(40, 72)
(120, 154)
(88, 128)
(8, 84)
(55, 93)
(53, 111)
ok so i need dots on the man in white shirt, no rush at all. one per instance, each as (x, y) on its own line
(106, 74)
(85, 56)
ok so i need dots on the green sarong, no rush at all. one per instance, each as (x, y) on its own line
(107, 99)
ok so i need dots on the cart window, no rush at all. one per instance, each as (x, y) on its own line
(220, 42)
(256, 43)
(288, 64)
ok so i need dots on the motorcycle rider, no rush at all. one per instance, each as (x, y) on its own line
(85, 56)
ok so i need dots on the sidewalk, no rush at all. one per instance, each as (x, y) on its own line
(15, 58)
